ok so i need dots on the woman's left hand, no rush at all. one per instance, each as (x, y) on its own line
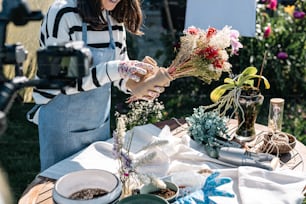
(134, 69)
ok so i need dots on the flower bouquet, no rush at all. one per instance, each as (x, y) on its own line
(130, 164)
(203, 54)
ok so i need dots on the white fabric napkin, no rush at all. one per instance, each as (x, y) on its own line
(279, 187)
(99, 154)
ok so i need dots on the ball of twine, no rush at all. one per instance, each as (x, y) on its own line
(278, 143)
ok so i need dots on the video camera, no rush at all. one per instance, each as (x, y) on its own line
(62, 64)
(58, 65)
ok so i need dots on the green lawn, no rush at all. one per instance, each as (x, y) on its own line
(19, 149)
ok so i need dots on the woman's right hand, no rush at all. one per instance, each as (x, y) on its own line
(133, 69)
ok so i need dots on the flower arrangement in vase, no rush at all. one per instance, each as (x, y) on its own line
(240, 94)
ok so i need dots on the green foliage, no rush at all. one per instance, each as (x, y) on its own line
(19, 150)
(287, 36)
(246, 77)
(294, 120)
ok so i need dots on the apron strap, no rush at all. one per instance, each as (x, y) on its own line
(84, 32)
(110, 31)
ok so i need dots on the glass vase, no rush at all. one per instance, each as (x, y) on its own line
(276, 111)
(247, 114)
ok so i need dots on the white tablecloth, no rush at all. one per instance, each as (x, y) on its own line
(251, 185)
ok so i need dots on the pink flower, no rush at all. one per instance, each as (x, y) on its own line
(282, 55)
(210, 32)
(192, 30)
(236, 45)
(268, 31)
(272, 5)
(298, 14)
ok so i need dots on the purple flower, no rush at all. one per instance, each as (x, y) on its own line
(282, 55)
(126, 161)
(298, 14)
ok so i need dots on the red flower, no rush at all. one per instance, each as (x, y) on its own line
(210, 52)
(218, 63)
(200, 52)
(210, 32)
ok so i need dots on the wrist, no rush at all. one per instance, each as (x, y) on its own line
(111, 69)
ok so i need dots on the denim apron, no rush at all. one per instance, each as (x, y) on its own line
(69, 123)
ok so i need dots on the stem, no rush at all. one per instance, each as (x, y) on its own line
(261, 69)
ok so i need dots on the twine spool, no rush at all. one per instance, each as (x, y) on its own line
(278, 143)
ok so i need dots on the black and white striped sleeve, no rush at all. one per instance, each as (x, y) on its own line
(98, 76)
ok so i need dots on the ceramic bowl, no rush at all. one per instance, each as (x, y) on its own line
(143, 198)
(150, 188)
(84, 179)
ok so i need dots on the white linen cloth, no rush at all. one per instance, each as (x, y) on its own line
(251, 185)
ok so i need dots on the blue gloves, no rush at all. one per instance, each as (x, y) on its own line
(208, 189)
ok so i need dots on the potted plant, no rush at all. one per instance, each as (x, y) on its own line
(240, 94)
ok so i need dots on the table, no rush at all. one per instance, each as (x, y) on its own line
(40, 190)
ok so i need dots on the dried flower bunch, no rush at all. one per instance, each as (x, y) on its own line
(128, 164)
(204, 53)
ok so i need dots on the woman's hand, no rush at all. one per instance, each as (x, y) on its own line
(134, 69)
(151, 85)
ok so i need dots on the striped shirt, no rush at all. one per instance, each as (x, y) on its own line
(61, 24)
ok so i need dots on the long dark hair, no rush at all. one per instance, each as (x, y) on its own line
(127, 11)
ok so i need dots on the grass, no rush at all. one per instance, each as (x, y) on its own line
(19, 150)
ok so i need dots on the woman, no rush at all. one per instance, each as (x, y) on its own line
(71, 119)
